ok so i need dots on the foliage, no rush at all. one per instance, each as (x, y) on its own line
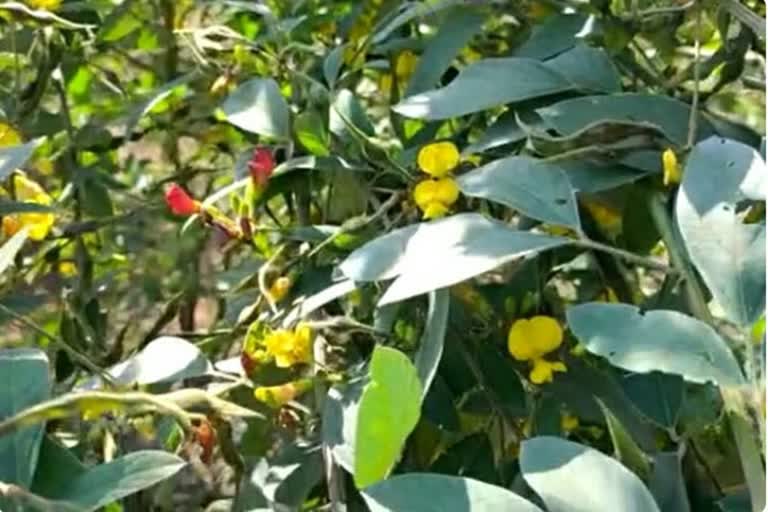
(438, 255)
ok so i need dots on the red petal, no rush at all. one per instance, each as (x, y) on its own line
(179, 201)
(261, 165)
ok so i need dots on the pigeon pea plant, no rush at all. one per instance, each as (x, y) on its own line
(382, 255)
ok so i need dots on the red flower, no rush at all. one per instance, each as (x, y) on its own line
(261, 165)
(180, 202)
(205, 436)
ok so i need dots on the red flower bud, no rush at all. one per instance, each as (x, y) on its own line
(180, 202)
(261, 165)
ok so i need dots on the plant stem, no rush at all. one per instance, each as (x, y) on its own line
(693, 119)
(625, 255)
(694, 293)
(735, 408)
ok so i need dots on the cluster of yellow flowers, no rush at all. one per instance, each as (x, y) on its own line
(286, 348)
(25, 190)
(435, 195)
(530, 340)
(290, 347)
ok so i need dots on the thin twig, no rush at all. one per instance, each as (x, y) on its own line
(625, 255)
(60, 343)
(693, 119)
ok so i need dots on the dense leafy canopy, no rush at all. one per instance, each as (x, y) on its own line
(428, 255)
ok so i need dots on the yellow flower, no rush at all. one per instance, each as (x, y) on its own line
(8, 136)
(434, 197)
(607, 217)
(568, 422)
(543, 370)
(530, 339)
(290, 347)
(46, 5)
(673, 173)
(38, 223)
(67, 268)
(405, 64)
(280, 288)
(438, 159)
(277, 396)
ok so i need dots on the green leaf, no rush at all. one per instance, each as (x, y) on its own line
(431, 346)
(24, 381)
(257, 106)
(668, 114)
(667, 483)
(593, 176)
(644, 341)
(154, 99)
(428, 492)
(11, 248)
(332, 65)
(729, 255)
(625, 448)
(389, 410)
(485, 84)
(346, 104)
(165, 359)
(310, 131)
(409, 11)
(13, 157)
(119, 23)
(456, 30)
(496, 81)
(555, 35)
(534, 187)
(340, 422)
(318, 300)
(103, 484)
(659, 396)
(563, 474)
(56, 468)
(288, 477)
(504, 130)
(438, 254)
(587, 68)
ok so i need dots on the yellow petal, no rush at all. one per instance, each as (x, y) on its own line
(280, 288)
(546, 333)
(543, 370)
(435, 210)
(405, 64)
(45, 5)
(8, 135)
(438, 159)
(607, 217)
(568, 422)
(673, 174)
(425, 193)
(447, 191)
(517, 341)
